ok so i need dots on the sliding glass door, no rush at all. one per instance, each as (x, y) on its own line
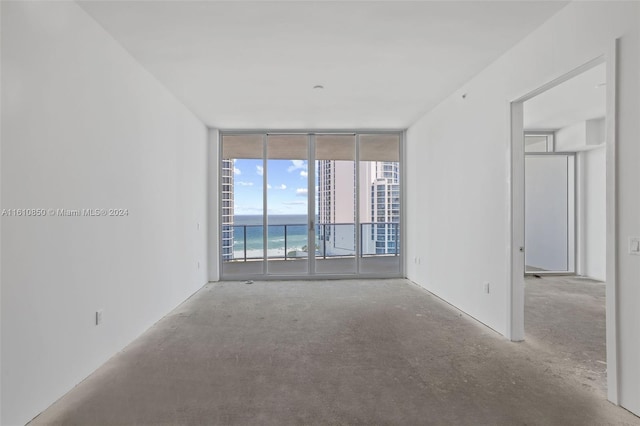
(242, 206)
(286, 178)
(335, 210)
(295, 205)
(379, 164)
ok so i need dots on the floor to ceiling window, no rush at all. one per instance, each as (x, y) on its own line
(310, 204)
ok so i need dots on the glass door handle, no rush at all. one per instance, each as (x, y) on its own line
(310, 225)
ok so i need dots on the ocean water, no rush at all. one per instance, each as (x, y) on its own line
(296, 238)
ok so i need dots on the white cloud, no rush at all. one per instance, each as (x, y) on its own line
(236, 171)
(260, 170)
(296, 165)
(247, 210)
(295, 203)
(242, 183)
(302, 192)
(268, 186)
(304, 173)
(283, 186)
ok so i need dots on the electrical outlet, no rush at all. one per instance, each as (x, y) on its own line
(99, 317)
(486, 288)
(634, 245)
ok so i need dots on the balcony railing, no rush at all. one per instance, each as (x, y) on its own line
(333, 240)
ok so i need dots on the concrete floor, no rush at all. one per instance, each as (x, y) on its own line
(566, 316)
(330, 352)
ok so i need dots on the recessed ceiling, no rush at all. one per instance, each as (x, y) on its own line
(255, 64)
(578, 99)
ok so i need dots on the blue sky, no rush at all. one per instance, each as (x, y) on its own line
(286, 190)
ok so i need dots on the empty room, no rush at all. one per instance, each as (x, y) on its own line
(319, 212)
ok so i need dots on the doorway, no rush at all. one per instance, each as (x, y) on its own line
(606, 136)
(324, 204)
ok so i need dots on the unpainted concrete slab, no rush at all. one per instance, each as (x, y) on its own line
(565, 316)
(328, 352)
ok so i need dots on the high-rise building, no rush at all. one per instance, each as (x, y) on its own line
(336, 207)
(385, 206)
(379, 207)
(227, 210)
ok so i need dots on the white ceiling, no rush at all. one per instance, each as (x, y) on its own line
(254, 64)
(579, 99)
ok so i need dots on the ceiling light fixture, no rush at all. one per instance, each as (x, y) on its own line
(318, 86)
(597, 86)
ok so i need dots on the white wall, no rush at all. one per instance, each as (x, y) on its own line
(458, 163)
(84, 126)
(628, 207)
(571, 138)
(596, 131)
(593, 232)
(580, 136)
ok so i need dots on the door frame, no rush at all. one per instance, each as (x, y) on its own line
(515, 296)
(311, 133)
